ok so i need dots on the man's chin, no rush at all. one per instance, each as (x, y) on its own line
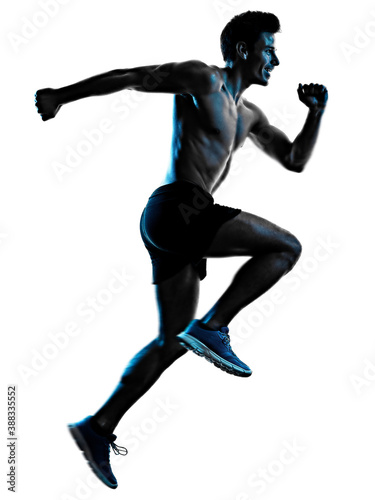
(262, 82)
(266, 76)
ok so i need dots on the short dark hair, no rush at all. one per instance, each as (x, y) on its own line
(246, 27)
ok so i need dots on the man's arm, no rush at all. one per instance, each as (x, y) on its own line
(292, 155)
(189, 77)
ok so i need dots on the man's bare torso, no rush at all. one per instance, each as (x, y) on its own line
(207, 129)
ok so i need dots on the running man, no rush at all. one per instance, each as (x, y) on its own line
(181, 225)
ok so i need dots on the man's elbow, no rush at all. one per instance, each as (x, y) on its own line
(294, 165)
(297, 167)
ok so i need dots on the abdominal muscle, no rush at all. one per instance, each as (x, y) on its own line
(200, 156)
(197, 168)
(204, 136)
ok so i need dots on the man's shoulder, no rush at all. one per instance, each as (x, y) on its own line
(198, 65)
(252, 107)
(258, 117)
(211, 73)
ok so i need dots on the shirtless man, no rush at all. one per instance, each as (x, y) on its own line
(181, 225)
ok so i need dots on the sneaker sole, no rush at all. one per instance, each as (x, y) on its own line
(83, 446)
(200, 349)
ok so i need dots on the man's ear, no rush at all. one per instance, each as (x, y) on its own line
(241, 49)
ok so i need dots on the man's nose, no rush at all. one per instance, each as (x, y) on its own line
(275, 60)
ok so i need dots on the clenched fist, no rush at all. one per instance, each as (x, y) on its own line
(47, 103)
(314, 96)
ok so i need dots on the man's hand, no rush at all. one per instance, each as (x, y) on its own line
(47, 103)
(314, 96)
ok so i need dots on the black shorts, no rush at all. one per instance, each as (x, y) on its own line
(178, 225)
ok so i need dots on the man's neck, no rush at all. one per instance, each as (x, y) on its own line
(234, 82)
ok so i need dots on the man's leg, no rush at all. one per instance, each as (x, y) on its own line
(274, 252)
(177, 300)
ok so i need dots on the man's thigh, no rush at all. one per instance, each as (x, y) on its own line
(177, 299)
(250, 235)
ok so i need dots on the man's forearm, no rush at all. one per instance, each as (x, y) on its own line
(105, 83)
(143, 78)
(304, 143)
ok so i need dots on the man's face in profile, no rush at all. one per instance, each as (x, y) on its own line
(262, 59)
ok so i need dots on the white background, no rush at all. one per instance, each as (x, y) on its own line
(60, 241)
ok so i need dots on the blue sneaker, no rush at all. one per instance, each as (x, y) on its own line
(214, 346)
(96, 450)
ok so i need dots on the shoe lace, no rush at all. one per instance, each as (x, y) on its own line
(225, 337)
(118, 450)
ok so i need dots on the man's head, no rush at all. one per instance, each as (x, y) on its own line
(249, 38)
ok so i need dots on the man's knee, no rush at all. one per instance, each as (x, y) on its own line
(293, 253)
